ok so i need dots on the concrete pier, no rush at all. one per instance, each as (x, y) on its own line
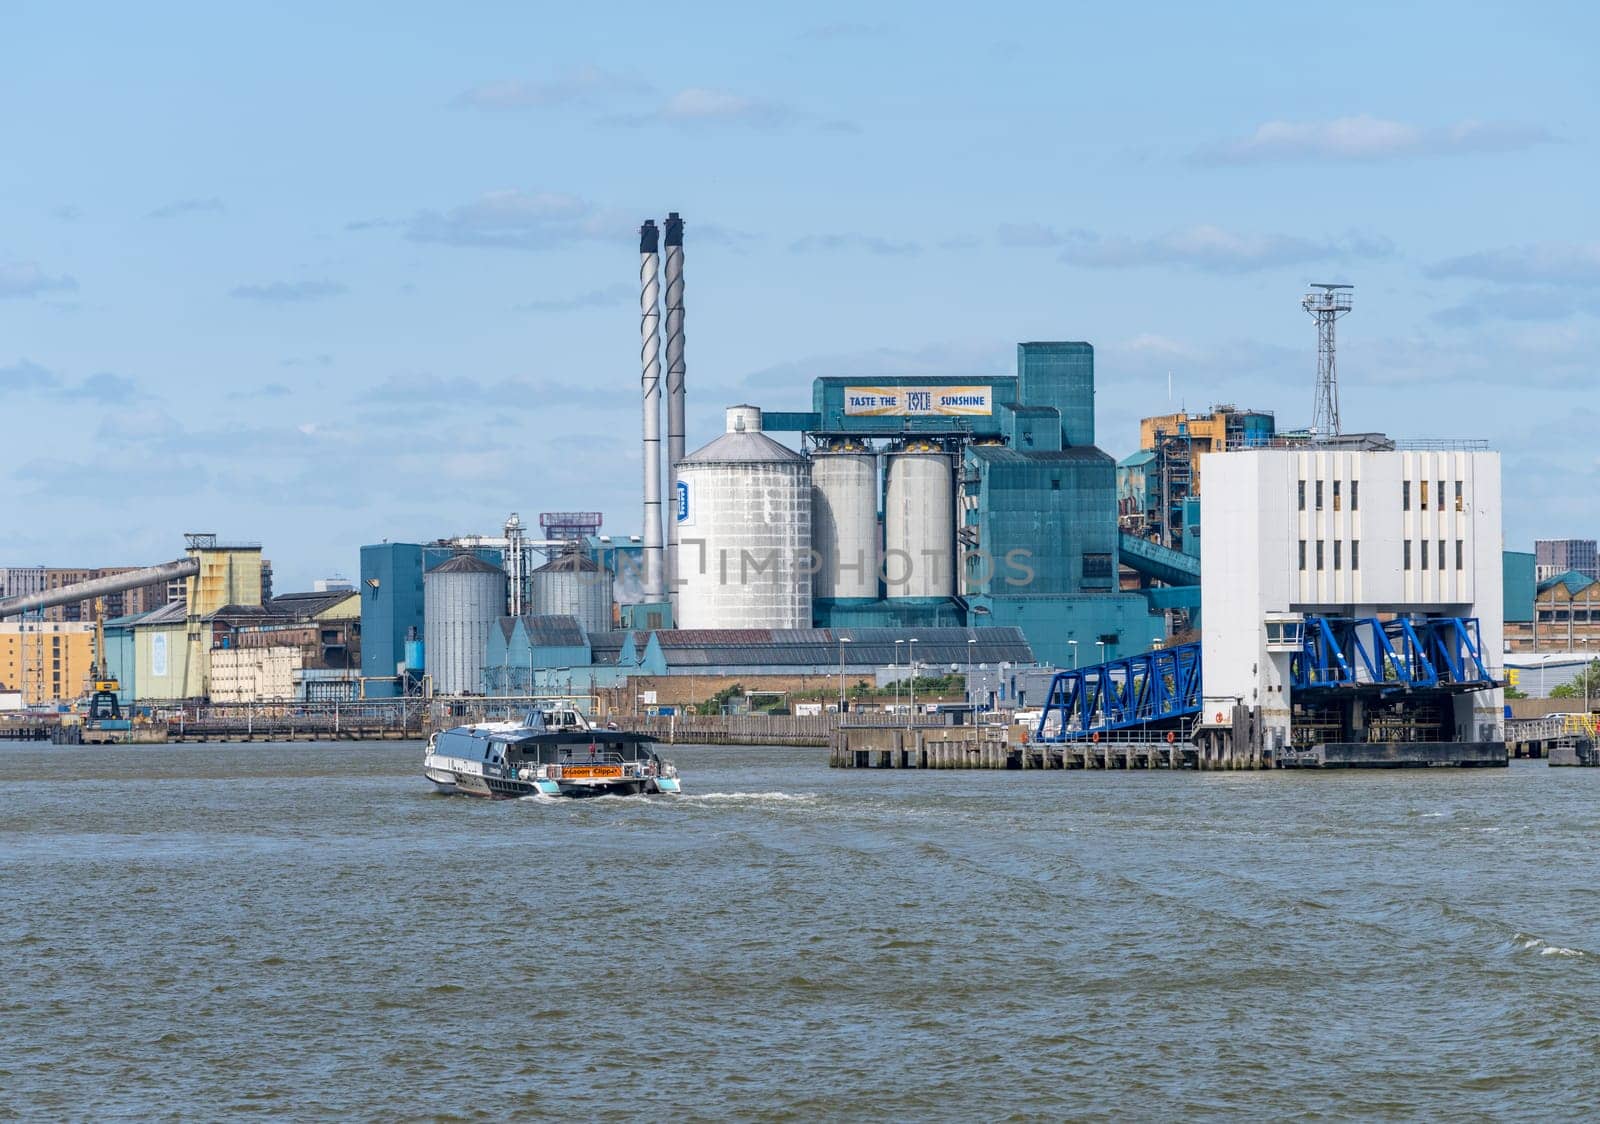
(995, 747)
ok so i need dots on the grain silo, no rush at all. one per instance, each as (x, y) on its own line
(919, 521)
(573, 585)
(462, 598)
(744, 531)
(844, 520)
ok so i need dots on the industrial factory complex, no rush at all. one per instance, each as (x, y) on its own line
(1266, 595)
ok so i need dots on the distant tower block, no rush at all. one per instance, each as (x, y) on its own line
(1326, 303)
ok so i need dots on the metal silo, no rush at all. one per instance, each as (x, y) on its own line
(844, 520)
(462, 599)
(573, 585)
(744, 531)
(919, 522)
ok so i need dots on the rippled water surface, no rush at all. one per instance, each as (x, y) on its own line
(308, 930)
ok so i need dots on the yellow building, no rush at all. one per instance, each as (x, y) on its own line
(48, 661)
(1224, 428)
(1155, 484)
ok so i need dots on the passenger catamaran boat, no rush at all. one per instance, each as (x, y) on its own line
(554, 752)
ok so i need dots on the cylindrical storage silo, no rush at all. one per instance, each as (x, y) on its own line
(844, 521)
(573, 585)
(462, 599)
(919, 527)
(744, 531)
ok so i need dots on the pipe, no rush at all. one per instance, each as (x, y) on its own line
(650, 381)
(675, 394)
(100, 587)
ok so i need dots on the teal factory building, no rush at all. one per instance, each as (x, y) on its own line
(1000, 473)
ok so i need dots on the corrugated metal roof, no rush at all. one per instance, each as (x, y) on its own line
(1575, 582)
(866, 647)
(307, 605)
(464, 564)
(1004, 455)
(555, 632)
(170, 613)
(743, 448)
(571, 562)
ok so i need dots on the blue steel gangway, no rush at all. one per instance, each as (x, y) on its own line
(1157, 686)
(1370, 655)
(1347, 657)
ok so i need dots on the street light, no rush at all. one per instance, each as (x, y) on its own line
(911, 655)
(843, 640)
(1100, 656)
(970, 642)
(1585, 673)
(897, 644)
(1073, 644)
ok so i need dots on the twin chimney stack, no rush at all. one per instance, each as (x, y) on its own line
(660, 572)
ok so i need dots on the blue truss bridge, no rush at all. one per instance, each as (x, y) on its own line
(1338, 657)
(1153, 687)
(1368, 656)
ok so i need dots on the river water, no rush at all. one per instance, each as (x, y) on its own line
(307, 930)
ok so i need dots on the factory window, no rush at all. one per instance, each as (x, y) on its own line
(1319, 495)
(1336, 495)
(1319, 554)
(1441, 554)
(1440, 493)
(1407, 552)
(1424, 550)
(1302, 554)
(1355, 495)
(1355, 552)
(1302, 495)
(1458, 496)
(1459, 553)
(1422, 501)
(1097, 569)
(1405, 495)
(1055, 483)
(1337, 560)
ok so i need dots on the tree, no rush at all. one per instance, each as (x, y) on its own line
(1577, 689)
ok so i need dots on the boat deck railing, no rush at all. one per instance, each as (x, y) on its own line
(596, 758)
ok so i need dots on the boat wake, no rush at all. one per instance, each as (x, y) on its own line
(1529, 943)
(750, 798)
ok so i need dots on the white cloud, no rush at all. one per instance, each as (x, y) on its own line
(698, 103)
(187, 207)
(27, 279)
(1550, 263)
(288, 292)
(608, 297)
(1365, 138)
(705, 107)
(585, 86)
(855, 243)
(521, 220)
(1206, 247)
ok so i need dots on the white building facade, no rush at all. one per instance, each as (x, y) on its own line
(1292, 533)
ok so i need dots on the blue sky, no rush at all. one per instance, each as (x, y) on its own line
(331, 274)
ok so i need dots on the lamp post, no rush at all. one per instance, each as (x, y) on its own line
(1100, 656)
(911, 655)
(843, 640)
(1073, 645)
(968, 684)
(1585, 673)
(897, 644)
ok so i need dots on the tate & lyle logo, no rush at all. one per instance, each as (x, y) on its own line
(917, 401)
(683, 501)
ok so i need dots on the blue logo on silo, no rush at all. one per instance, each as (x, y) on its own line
(683, 500)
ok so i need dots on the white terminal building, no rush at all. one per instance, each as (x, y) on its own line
(1314, 538)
